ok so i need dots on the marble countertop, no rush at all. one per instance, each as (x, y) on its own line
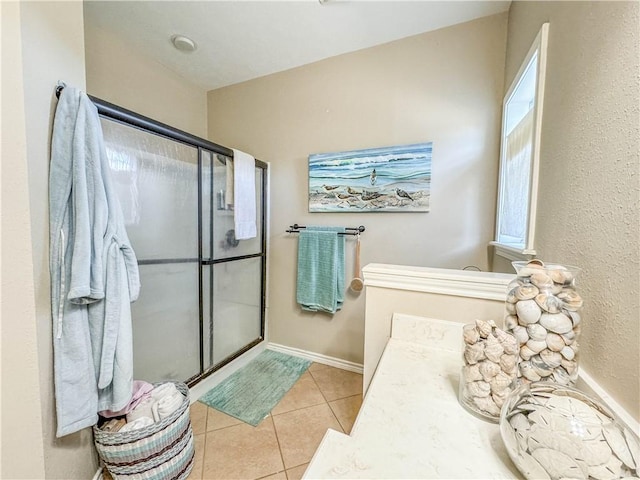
(411, 424)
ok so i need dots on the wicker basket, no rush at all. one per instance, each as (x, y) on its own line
(162, 451)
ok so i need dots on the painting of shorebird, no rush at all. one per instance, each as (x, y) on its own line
(387, 179)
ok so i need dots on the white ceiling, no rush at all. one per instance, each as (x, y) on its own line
(241, 40)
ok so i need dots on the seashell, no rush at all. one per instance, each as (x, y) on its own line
(526, 353)
(520, 422)
(607, 471)
(561, 275)
(555, 342)
(471, 373)
(558, 464)
(568, 353)
(508, 363)
(560, 441)
(483, 327)
(530, 268)
(577, 329)
(516, 282)
(486, 404)
(528, 312)
(510, 321)
(571, 299)
(500, 397)
(537, 332)
(535, 262)
(511, 295)
(536, 346)
(551, 358)
(575, 318)
(548, 303)
(500, 382)
(596, 451)
(479, 389)
(474, 353)
(578, 409)
(618, 444)
(488, 370)
(556, 322)
(571, 366)
(530, 467)
(510, 308)
(549, 420)
(526, 292)
(541, 280)
(540, 367)
(569, 337)
(470, 334)
(508, 341)
(634, 447)
(528, 372)
(556, 289)
(561, 376)
(493, 351)
(521, 335)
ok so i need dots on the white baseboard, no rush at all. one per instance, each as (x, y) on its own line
(317, 357)
(215, 378)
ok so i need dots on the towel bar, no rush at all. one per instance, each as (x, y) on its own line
(295, 228)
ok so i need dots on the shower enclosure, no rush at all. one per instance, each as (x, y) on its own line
(202, 301)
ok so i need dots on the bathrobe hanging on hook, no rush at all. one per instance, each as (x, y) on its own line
(94, 271)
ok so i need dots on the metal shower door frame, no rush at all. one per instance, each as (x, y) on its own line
(135, 120)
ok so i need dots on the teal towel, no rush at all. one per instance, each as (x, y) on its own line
(321, 269)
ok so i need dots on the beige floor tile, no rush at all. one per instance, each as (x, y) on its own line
(276, 476)
(314, 367)
(335, 383)
(296, 472)
(242, 452)
(217, 419)
(300, 432)
(198, 414)
(198, 443)
(346, 410)
(304, 393)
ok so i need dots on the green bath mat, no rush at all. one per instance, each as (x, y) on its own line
(252, 392)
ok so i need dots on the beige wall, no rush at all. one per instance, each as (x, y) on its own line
(20, 414)
(52, 49)
(444, 86)
(118, 74)
(588, 201)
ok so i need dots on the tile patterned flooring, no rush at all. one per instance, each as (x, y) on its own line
(282, 445)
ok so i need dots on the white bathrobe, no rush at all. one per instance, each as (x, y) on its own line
(94, 271)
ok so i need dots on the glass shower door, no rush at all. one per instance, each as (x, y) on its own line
(233, 270)
(157, 183)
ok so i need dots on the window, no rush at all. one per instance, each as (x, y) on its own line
(520, 153)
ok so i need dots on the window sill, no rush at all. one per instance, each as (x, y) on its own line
(512, 253)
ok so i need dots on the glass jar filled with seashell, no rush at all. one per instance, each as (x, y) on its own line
(490, 367)
(543, 313)
(554, 431)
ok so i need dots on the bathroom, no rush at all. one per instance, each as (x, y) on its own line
(444, 86)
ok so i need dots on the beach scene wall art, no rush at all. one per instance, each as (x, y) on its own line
(387, 179)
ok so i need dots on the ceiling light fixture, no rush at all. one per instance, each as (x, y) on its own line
(184, 44)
